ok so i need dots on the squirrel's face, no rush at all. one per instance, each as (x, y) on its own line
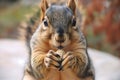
(59, 26)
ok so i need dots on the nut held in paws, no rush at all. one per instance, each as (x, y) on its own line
(60, 52)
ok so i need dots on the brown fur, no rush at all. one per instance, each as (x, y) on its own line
(55, 31)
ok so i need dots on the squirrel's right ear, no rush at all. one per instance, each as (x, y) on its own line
(72, 5)
(43, 6)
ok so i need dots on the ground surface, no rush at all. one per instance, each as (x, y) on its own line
(13, 55)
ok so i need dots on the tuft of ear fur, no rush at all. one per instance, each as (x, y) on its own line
(72, 5)
(43, 6)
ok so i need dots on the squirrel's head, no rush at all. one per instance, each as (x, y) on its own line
(58, 23)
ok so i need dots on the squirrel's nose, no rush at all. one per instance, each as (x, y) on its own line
(60, 35)
(60, 32)
(60, 38)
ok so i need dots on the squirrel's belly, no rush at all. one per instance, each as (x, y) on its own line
(61, 75)
(68, 75)
(53, 75)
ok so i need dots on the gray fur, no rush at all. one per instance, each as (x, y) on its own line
(59, 16)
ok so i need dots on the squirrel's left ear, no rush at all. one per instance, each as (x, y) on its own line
(43, 6)
(72, 5)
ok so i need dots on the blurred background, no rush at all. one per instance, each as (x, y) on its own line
(100, 21)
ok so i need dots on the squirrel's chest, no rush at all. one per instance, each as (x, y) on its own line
(61, 75)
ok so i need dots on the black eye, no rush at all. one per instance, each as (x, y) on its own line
(45, 23)
(73, 22)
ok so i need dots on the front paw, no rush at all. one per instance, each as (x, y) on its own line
(52, 60)
(68, 61)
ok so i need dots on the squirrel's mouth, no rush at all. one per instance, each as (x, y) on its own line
(60, 47)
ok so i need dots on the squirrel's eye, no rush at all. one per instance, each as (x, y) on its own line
(73, 22)
(45, 23)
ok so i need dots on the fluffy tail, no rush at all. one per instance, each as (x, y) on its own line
(26, 31)
(27, 28)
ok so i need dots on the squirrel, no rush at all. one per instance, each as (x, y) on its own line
(57, 47)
